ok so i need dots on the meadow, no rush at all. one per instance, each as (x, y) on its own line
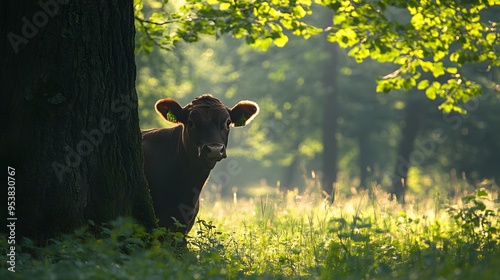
(277, 234)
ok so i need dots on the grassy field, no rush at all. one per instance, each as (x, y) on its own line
(289, 235)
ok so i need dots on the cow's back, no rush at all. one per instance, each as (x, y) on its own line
(161, 149)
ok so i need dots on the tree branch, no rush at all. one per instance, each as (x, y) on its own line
(142, 21)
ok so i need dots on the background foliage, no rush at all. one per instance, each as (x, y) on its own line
(418, 37)
(284, 143)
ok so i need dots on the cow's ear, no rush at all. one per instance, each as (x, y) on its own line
(243, 112)
(170, 110)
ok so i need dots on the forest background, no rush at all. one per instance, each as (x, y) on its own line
(313, 94)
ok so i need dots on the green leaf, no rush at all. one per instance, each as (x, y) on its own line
(437, 69)
(468, 199)
(262, 44)
(438, 55)
(454, 57)
(417, 21)
(346, 37)
(339, 18)
(431, 92)
(224, 6)
(423, 84)
(331, 37)
(384, 85)
(481, 193)
(281, 41)
(490, 38)
(299, 11)
(452, 70)
(480, 205)
(426, 65)
(307, 3)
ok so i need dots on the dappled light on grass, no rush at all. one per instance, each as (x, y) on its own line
(290, 235)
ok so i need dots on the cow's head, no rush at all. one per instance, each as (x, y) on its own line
(206, 124)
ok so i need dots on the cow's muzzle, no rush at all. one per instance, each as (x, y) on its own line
(212, 151)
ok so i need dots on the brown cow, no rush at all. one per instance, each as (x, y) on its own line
(178, 160)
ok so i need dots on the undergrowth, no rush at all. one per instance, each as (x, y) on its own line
(285, 236)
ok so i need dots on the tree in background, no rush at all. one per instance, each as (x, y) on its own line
(330, 119)
(414, 111)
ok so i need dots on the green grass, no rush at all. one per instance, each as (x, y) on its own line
(287, 236)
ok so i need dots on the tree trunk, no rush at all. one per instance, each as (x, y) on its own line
(413, 116)
(329, 126)
(290, 171)
(70, 125)
(365, 160)
(289, 176)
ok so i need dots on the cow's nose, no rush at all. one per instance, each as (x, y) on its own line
(214, 151)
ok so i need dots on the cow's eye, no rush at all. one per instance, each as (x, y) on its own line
(190, 124)
(228, 123)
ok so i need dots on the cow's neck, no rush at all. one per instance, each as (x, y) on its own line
(194, 175)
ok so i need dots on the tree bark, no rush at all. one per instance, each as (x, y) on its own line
(413, 116)
(289, 174)
(329, 125)
(70, 124)
(290, 171)
(365, 160)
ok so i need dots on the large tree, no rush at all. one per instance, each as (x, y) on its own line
(330, 125)
(411, 126)
(69, 115)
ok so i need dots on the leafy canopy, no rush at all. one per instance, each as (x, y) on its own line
(429, 41)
